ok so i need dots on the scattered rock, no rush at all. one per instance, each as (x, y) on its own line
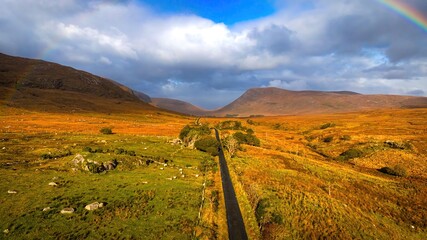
(161, 168)
(144, 182)
(12, 191)
(78, 160)
(103, 141)
(46, 209)
(4, 148)
(174, 177)
(182, 175)
(197, 175)
(53, 184)
(94, 206)
(168, 178)
(6, 231)
(176, 141)
(67, 210)
(110, 165)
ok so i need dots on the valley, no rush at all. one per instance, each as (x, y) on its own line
(314, 173)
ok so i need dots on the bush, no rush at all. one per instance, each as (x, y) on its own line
(345, 138)
(249, 139)
(87, 149)
(397, 170)
(207, 144)
(327, 125)
(328, 139)
(351, 153)
(106, 130)
(231, 125)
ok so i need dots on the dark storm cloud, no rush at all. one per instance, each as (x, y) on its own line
(320, 45)
(274, 39)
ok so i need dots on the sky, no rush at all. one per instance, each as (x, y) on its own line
(210, 52)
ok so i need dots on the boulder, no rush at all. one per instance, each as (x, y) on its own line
(94, 206)
(67, 210)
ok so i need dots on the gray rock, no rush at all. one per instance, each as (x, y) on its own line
(46, 209)
(78, 160)
(67, 210)
(94, 206)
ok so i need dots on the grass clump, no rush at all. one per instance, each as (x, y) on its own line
(106, 130)
(350, 154)
(397, 170)
(328, 139)
(327, 125)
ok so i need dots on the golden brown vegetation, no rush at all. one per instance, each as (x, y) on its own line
(300, 182)
(303, 182)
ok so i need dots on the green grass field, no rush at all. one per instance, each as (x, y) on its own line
(153, 201)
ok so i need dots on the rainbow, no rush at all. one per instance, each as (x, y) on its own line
(407, 11)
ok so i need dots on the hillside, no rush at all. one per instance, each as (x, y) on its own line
(275, 101)
(41, 85)
(178, 106)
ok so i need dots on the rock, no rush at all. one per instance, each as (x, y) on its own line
(6, 231)
(161, 168)
(78, 160)
(182, 175)
(176, 141)
(103, 141)
(144, 182)
(67, 210)
(46, 209)
(94, 206)
(12, 191)
(197, 175)
(53, 184)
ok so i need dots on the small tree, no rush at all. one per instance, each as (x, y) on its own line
(232, 145)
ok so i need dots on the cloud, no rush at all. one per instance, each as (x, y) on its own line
(320, 45)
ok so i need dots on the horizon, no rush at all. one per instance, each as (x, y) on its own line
(209, 54)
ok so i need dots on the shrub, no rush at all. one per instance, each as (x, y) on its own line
(106, 130)
(87, 149)
(184, 132)
(351, 153)
(397, 170)
(232, 125)
(249, 139)
(207, 144)
(328, 139)
(345, 138)
(327, 125)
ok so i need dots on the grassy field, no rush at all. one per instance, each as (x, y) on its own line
(154, 193)
(311, 177)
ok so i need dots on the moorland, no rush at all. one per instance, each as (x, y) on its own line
(357, 174)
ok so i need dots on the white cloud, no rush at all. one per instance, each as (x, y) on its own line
(334, 45)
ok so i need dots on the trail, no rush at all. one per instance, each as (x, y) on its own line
(236, 227)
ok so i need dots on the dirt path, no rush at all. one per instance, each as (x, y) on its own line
(236, 227)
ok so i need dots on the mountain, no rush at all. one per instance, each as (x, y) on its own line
(276, 101)
(178, 106)
(41, 85)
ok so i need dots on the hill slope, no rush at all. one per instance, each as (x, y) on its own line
(178, 106)
(275, 101)
(41, 85)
